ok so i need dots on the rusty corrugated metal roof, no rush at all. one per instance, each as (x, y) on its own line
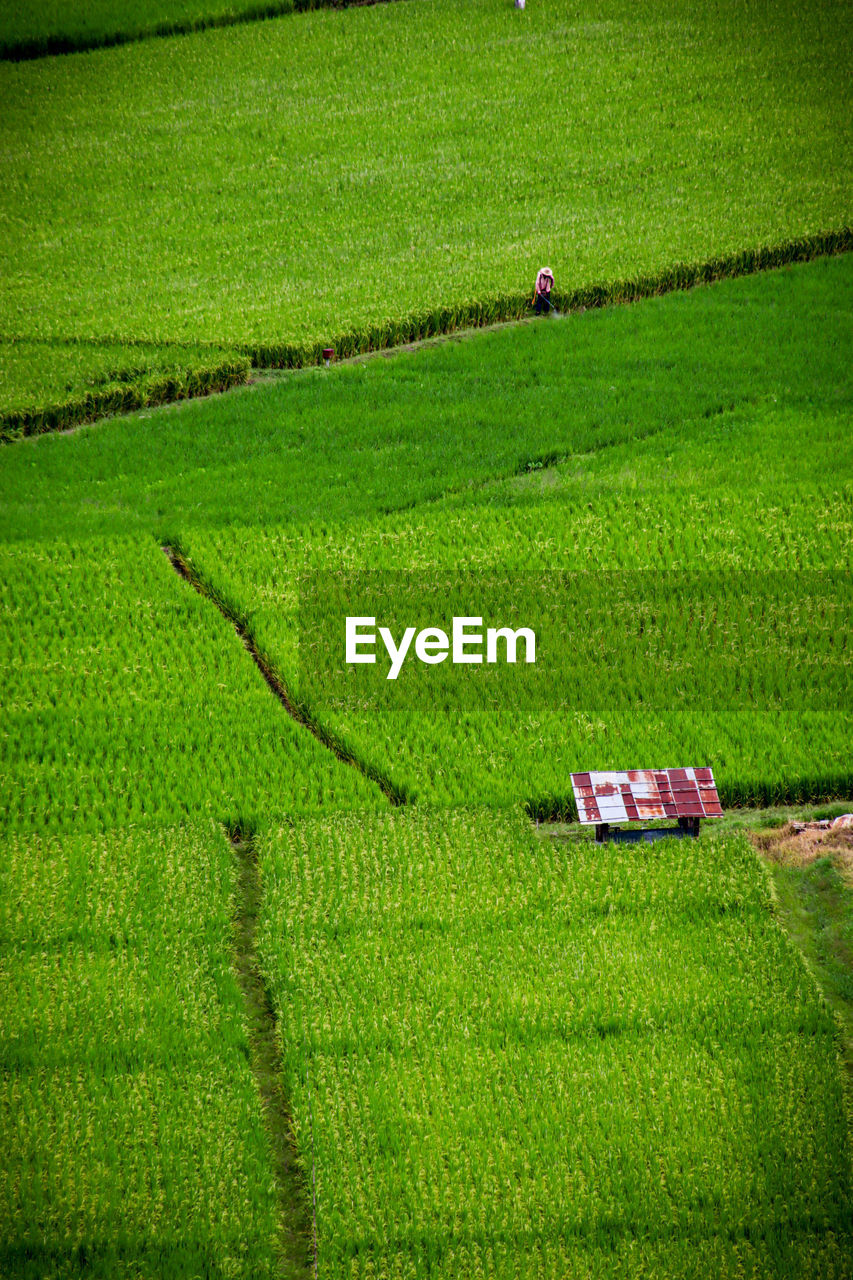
(637, 795)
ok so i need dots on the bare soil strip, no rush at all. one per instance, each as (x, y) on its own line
(295, 1224)
(296, 710)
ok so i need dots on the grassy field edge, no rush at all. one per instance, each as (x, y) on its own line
(515, 306)
(296, 709)
(234, 369)
(53, 45)
(123, 397)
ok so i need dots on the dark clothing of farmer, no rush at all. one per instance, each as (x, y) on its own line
(542, 292)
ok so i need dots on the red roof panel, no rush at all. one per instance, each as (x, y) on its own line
(641, 794)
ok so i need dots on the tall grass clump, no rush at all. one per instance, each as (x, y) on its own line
(122, 391)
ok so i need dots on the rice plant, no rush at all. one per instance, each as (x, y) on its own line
(128, 699)
(132, 1130)
(237, 187)
(701, 613)
(497, 1075)
(503, 1057)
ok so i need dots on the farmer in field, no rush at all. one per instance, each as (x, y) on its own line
(542, 292)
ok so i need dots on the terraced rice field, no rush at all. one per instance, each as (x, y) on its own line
(274, 207)
(505, 1080)
(292, 981)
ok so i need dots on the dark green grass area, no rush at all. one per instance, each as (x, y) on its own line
(80, 382)
(386, 434)
(296, 1238)
(240, 187)
(67, 26)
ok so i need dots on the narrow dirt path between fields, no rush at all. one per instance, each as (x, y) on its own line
(294, 709)
(297, 1232)
(296, 1207)
(811, 866)
(262, 377)
(284, 360)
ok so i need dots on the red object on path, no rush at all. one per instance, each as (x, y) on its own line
(328, 354)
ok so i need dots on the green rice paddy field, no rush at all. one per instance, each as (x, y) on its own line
(290, 984)
(258, 199)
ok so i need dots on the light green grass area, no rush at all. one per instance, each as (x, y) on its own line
(813, 895)
(504, 1078)
(816, 901)
(748, 673)
(240, 187)
(128, 699)
(53, 370)
(720, 382)
(522, 1059)
(132, 1133)
(705, 431)
(674, 625)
